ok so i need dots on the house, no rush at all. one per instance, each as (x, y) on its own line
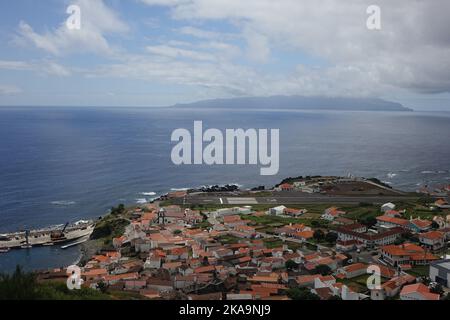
(172, 267)
(304, 235)
(348, 245)
(440, 221)
(285, 187)
(294, 212)
(353, 270)
(440, 272)
(360, 234)
(120, 242)
(325, 290)
(392, 287)
(343, 221)
(94, 274)
(332, 213)
(441, 203)
(160, 286)
(153, 263)
(393, 214)
(277, 211)
(419, 225)
(114, 278)
(233, 221)
(232, 211)
(135, 285)
(406, 254)
(385, 221)
(434, 240)
(417, 291)
(387, 206)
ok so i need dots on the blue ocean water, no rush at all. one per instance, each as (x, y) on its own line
(65, 164)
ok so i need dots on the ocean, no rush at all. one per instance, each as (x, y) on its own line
(60, 165)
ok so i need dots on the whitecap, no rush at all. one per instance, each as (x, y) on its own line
(391, 175)
(63, 203)
(148, 193)
(179, 189)
(141, 201)
(427, 172)
(387, 182)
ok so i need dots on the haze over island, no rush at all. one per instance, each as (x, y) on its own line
(300, 103)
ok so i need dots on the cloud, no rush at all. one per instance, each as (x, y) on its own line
(410, 51)
(41, 67)
(9, 90)
(175, 53)
(199, 33)
(165, 2)
(97, 20)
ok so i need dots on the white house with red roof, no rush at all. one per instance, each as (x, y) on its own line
(434, 240)
(332, 213)
(418, 291)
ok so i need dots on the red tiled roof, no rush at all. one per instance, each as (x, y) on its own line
(397, 221)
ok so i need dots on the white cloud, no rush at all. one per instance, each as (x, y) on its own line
(9, 90)
(165, 2)
(40, 67)
(97, 20)
(200, 33)
(174, 53)
(410, 51)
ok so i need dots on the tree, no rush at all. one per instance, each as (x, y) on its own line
(119, 210)
(291, 265)
(102, 286)
(331, 237)
(368, 222)
(319, 235)
(18, 286)
(334, 298)
(315, 223)
(301, 294)
(177, 232)
(437, 288)
(323, 269)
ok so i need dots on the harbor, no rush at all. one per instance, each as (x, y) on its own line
(67, 235)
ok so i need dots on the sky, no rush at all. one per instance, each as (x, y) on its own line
(163, 52)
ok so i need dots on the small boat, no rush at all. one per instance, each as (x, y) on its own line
(4, 250)
(26, 246)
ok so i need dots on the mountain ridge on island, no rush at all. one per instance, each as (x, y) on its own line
(299, 103)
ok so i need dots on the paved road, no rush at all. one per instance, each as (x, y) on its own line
(287, 199)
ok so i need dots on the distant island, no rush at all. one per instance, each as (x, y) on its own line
(299, 102)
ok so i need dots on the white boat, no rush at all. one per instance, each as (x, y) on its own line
(47, 236)
(4, 250)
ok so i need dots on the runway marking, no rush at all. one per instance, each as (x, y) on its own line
(242, 201)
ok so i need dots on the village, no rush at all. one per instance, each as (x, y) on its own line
(313, 251)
